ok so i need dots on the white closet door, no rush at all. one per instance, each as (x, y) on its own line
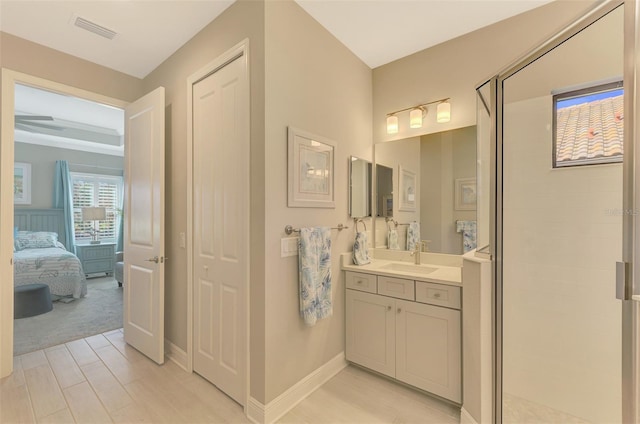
(221, 226)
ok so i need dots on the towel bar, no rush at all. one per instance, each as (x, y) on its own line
(355, 223)
(289, 229)
(395, 223)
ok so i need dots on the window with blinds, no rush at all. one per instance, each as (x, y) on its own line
(93, 190)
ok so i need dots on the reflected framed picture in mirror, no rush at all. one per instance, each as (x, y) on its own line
(465, 195)
(408, 190)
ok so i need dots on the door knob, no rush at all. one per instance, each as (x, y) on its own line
(154, 259)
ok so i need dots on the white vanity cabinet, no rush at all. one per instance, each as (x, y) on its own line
(413, 342)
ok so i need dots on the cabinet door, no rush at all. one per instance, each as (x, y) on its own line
(428, 348)
(371, 331)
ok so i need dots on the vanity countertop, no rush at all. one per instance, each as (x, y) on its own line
(450, 275)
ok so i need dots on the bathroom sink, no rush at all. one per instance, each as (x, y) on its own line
(418, 269)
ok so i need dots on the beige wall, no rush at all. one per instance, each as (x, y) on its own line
(34, 59)
(244, 19)
(43, 164)
(392, 155)
(454, 68)
(445, 157)
(316, 84)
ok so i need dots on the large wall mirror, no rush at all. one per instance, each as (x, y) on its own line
(360, 177)
(440, 169)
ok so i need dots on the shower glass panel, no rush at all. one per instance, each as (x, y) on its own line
(562, 234)
(483, 165)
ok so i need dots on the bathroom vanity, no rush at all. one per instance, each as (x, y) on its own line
(404, 321)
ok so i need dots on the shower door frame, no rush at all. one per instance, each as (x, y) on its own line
(631, 199)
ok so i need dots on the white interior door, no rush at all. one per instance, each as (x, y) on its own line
(144, 225)
(221, 226)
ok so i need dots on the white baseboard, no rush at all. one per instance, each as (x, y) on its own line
(175, 354)
(466, 418)
(267, 414)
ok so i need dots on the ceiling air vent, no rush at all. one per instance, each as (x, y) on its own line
(93, 27)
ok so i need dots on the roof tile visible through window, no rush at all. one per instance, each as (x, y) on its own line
(590, 130)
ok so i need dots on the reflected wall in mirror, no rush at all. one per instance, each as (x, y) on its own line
(384, 191)
(437, 160)
(359, 187)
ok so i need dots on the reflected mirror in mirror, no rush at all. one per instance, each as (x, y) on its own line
(384, 191)
(445, 208)
(359, 187)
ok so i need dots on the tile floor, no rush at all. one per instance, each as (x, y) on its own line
(100, 379)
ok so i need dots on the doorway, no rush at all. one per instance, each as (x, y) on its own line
(10, 81)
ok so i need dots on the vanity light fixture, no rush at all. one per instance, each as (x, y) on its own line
(417, 114)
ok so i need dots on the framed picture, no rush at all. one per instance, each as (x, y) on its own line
(407, 188)
(465, 199)
(22, 183)
(311, 170)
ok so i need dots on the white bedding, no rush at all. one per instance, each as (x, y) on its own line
(59, 269)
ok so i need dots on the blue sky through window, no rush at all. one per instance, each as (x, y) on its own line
(588, 98)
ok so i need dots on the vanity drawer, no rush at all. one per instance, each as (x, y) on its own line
(362, 282)
(396, 287)
(438, 294)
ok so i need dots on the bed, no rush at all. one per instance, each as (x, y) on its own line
(40, 255)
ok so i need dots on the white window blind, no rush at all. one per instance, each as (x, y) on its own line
(90, 190)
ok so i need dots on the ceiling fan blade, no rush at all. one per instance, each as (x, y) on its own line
(35, 124)
(33, 118)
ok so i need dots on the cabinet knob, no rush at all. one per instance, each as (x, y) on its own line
(389, 308)
(399, 310)
(359, 282)
(436, 295)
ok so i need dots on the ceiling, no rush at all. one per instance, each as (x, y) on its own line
(149, 31)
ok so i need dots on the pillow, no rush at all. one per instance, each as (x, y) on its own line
(35, 240)
(60, 245)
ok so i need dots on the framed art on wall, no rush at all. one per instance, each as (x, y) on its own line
(22, 183)
(311, 170)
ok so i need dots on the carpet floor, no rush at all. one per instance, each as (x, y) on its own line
(98, 312)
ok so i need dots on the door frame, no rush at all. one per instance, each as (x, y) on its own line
(239, 50)
(9, 79)
(631, 192)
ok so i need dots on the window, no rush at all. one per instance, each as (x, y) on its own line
(588, 125)
(91, 190)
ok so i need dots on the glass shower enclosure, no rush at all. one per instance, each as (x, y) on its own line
(558, 167)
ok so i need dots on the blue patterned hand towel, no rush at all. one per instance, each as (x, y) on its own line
(360, 249)
(392, 239)
(469, 231)
(314, 258)
(413, 235)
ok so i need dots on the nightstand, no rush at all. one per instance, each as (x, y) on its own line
(97, 258)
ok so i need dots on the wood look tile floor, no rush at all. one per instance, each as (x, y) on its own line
(100, 379)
